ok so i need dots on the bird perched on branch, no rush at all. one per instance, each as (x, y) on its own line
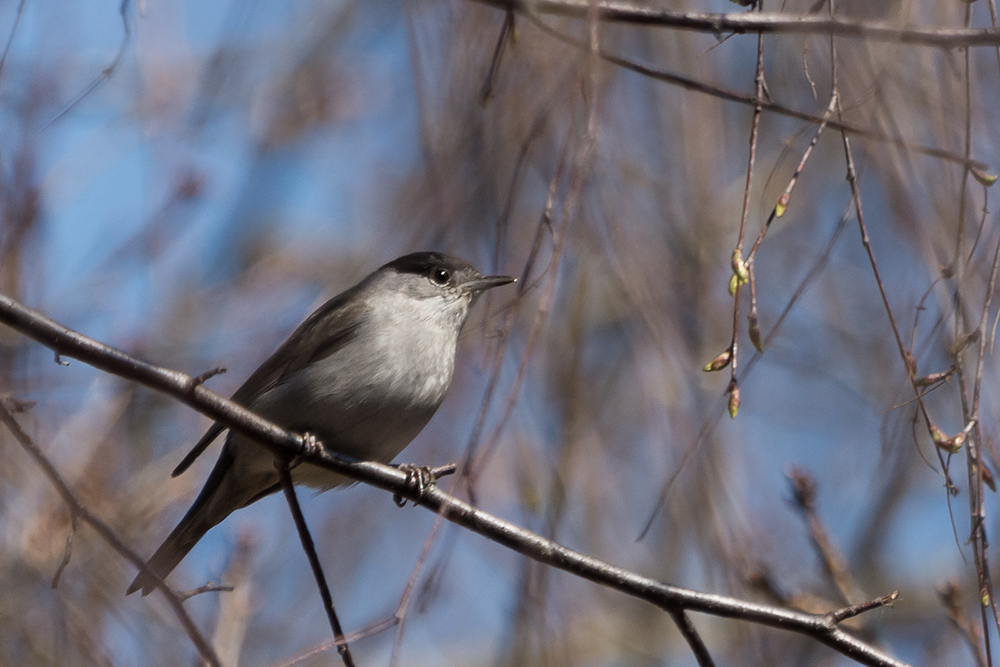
(363, 374)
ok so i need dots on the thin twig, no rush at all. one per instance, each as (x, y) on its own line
(404, 600)
(310, 548)
(204, 588)
(970, 409)
(68, 551)
(786, 196)
(375, 628)
(804, 496)
(994, 21)
(506, 32)
(909, 364)
(950, 598)
(740, 271)
(841, 615)
(399, 616)
(107, 72)
(906, 355)
(776, 212)
(691, 636)
(475, 460)
(713, 420)
(10, 37)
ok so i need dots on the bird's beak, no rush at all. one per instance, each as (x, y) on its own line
(485, 283)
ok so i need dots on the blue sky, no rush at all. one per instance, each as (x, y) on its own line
(109, 166)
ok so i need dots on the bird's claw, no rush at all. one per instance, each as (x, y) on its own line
(310, 447)
(421, 478)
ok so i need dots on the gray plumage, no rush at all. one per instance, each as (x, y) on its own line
(364, 374)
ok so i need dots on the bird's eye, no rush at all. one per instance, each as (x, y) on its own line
(440, 276)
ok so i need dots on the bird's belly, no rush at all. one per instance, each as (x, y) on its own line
(367, 402)
(366, 424)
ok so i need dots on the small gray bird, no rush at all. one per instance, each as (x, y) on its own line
(364, 374)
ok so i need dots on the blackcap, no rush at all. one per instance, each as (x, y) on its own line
(363, 374)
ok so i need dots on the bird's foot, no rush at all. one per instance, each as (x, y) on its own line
(311, 446)
(421, 478)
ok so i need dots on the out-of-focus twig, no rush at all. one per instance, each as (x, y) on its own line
(507, 32)
(102, 529)
(712, 421)
(716, 24)
(10, 37)
(951, 599)
(804, 498)
(108, 71)
(204, 588)
(724, 94)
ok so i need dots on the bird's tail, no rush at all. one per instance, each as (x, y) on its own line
(177, 545)
(223, 494)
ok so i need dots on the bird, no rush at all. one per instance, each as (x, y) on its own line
(363, 374)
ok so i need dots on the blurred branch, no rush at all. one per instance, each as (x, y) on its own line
(10, 37)
(732, 96)
(235, 612)
(475, 461)
(770, 23)
(709, 424)
(804, 497)
(181, 386)
(108, 71)
(204, 588)
(80, 512)
(949, 595)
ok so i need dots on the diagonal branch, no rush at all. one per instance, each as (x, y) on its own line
(82, 513)
(66, 342)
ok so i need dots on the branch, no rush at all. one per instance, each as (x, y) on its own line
(616, 11)
(66, 342)
(695, 85)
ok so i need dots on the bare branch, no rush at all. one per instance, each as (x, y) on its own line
(732, 96)
(770, 23)
(855, 609)
(670, 598)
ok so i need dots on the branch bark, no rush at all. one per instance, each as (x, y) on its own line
(69, 343)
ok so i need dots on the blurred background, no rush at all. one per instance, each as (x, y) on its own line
(187, 181)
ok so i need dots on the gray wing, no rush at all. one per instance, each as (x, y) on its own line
(327, 330)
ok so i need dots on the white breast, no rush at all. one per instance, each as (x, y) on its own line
(373, 396)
